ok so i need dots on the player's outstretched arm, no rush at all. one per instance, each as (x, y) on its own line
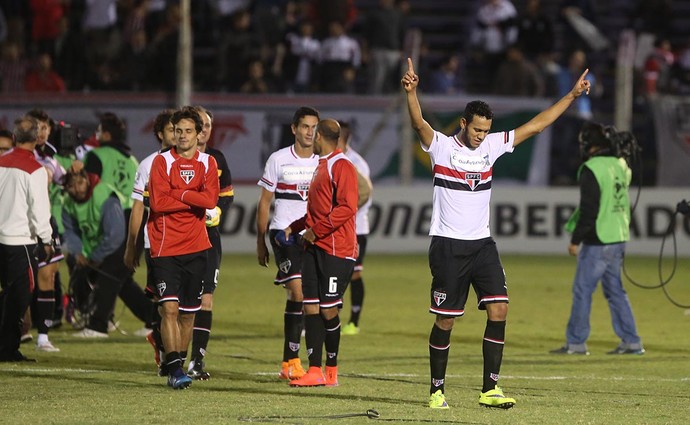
(409, 82)
(545, 118)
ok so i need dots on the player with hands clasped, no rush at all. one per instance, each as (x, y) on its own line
(462, 251)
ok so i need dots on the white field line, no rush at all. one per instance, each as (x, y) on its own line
(385, 375)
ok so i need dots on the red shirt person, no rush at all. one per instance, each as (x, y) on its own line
(183, 184)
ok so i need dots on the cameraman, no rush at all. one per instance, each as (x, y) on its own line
(601, 224)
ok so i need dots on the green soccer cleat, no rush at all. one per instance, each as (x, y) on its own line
(350, 329)
(495, 398)
(438, 401)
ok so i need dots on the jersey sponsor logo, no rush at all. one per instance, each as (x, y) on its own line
(285, 266)
(294, 174)
(437, 382)
(439, 297)
(187, 175)
(468, 163)
(161, 286)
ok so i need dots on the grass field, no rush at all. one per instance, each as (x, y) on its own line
(385, 367)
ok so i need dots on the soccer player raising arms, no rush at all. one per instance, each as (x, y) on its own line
(462, 252)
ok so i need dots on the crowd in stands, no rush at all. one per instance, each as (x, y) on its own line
(305, 46)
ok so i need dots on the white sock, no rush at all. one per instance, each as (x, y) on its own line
(42, 339)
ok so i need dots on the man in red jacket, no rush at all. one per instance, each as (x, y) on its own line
(183, 184)
(331, 250)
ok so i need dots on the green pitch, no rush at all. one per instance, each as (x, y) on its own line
(385, 367)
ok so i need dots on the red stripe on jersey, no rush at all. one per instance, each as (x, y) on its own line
(285, 186)
(439, 169)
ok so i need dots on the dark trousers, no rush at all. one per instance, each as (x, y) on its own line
(111, 279)
(17, 265)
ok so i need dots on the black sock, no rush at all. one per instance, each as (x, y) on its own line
(315, 335)
(292, 326)
(156, 328)
(332, 340)
(357, 298)
(201, 334)
(173, 361)
(45, 305)
(439, 347)
(183, 357)
(492, 348)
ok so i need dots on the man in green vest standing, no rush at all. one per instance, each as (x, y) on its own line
(601, 225)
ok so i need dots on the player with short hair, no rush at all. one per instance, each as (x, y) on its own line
(330, 252)
(164, 131)
(462, 251)
(43, 305)
(25, 218)
(204, 317)
(287, 176)
(182, 186)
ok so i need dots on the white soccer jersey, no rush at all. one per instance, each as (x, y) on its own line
(288, 176)
(141, 180)
(362, 218)
(462, 184)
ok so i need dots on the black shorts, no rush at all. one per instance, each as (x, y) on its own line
(213, 264)
(179, 279)
(457, 264)
(325, 277)
(57, 255)
(362, 248)
(288, 259)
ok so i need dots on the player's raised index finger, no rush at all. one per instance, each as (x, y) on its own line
(410, 67)
(584, 74)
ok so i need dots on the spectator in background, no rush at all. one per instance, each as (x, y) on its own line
(13, 68)
(45, 25)
(302, 53)
(517, 76)
(236, 49)
(495, 30)
(682, 69)
(340, 58)
(657, 67)
(535, 31)
(584, 8)
(70, 55)
(135, 63)
(564, 154)
(256, 82)
(446, 79)
(653, 16)
(323, 12)
(384, 30)
(42, 78)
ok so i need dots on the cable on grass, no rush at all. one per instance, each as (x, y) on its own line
(662, 282)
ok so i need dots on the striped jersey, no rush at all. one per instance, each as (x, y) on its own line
(288, 176)
(362, 218)
(462, 184)
(332, 206)
(140, 190)
(180, 192)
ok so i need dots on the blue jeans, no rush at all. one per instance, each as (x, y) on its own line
(595, 263)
